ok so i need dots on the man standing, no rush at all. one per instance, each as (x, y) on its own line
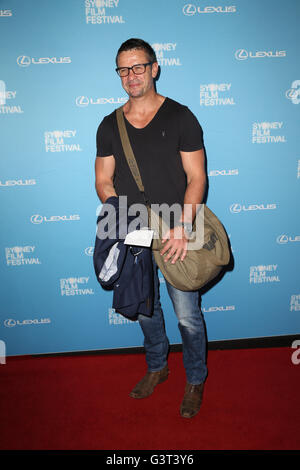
(167, 143)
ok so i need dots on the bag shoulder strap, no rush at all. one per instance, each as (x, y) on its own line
(128, 150)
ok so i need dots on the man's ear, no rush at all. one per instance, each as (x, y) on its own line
(155, 68)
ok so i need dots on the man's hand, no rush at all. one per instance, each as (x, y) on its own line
(176, 242)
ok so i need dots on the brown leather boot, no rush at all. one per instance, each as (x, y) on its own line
(192, 400)
(145, 387)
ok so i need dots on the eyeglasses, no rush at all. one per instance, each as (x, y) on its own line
(137, 69)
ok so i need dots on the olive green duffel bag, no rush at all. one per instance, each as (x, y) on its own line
(201, 264)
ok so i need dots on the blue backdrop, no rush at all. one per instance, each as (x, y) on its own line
(237, 68)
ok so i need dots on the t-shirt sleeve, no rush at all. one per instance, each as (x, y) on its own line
(191, 134)
(104, 139)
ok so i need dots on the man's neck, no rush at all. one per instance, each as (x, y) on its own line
(140, 112)
(143, 105)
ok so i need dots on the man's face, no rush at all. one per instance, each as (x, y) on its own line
(137, 85)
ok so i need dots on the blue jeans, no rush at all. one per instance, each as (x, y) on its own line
(191, 327)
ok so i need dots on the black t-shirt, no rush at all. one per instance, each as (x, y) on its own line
(157, 151)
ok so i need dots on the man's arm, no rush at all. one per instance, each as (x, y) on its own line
(104, 174)
(194, 167)
(175, 240)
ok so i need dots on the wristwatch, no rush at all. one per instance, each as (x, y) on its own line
(188, 227)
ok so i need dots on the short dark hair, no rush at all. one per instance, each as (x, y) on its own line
(135, 43)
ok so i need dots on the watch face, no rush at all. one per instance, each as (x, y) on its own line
(188, 227)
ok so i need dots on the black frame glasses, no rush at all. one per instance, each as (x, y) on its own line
(124, 71)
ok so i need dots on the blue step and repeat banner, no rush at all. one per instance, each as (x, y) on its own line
(237, 66)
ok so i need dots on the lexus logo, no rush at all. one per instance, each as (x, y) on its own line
(82, 101)
(89, 251)
(293, 93)
(23, 61)
(36, 219)
(235, 208)
(10, 323)
(282, 239)
(189, 9)
(241, 54)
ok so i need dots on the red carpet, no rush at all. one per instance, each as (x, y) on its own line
(251, 401)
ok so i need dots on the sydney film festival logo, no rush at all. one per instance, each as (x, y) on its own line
(61, 141)
(7, 100)
(216, 94)
(295, 303)
(165, 54)
(115, 318)
(21, 256)
(263, 274)
(102, 12)
(268, 133)
(5, 13)
(72, 286)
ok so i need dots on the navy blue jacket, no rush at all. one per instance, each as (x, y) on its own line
(125, 269)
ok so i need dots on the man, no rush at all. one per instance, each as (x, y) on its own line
(167, 142)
